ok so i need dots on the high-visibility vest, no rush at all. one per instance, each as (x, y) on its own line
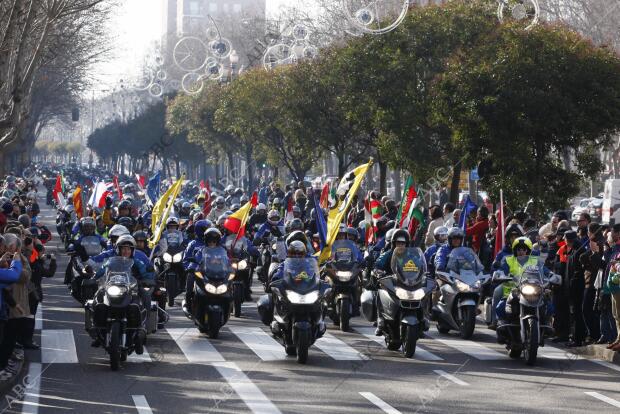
(516, 270)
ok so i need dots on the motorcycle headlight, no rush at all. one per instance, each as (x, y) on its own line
(478, 284)
(344, 276)
(177, 257)
(531, 292)
(167, 257)
(242, 265)
(404, 294)
(462, 287)
(211, 288)
(221, 289)
(274, 246)
(115, 290)
(307, 299)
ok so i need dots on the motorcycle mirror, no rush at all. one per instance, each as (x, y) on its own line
(443, 276)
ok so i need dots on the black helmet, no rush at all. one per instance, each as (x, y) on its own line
(352, 233)
(296, 249)
(125, 204)
(140, 235)
(126, 222)
(212, 234)
(297, 235)
(400, 235)
(514, 230)
(295, 224)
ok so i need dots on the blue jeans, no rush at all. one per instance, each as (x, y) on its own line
(608, 323)
(498, 294)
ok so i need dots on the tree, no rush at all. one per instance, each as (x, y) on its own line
(521, 98)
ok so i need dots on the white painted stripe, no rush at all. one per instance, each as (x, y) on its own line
(606, 364)
(468, 347)
(385, 407)
(338, 349)
(38, 318)
(551, 352)
(145, 357)
(141, 404)
(603, 398)
(196, 347)
(33, 385)
(450, 377)
(251, 395)
(264, 346)
(420, 353)
(58, 346)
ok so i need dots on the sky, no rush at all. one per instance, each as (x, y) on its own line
(135, 28)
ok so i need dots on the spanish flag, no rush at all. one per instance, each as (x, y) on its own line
(349, 184)
(77, 202)
(235, 223)
(162, 209)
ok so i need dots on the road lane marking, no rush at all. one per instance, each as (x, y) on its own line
(58, 346)
(141, 404)
(38, 318)
(195, 346)
(30, 404)
(251, 395)
(385, 407)
(420, 353)
(263, 345)
(145, 357)
(603, 398)
(450, 377)
(468, 347)
(338, 349)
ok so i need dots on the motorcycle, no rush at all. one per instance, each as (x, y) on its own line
(294, 309)
(212, 297)
(272, 254)
(77, 272)
(460, 293)
(400, 301)
(170, 272)
(116, 317)
(241, 276)
(342, 274)
(525, 324)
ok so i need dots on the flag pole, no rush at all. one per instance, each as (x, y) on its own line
(501, 209)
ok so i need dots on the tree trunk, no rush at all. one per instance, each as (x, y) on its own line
(382, 177)
(341, 164)
(397, 183)
(454, 186)
(250, 163)
(177, 164)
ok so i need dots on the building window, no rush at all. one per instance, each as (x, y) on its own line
(237, 8)
(213, 7)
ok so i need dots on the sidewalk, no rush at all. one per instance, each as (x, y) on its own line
(597, 352)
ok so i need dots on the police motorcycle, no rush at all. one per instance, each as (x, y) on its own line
(457, 307)
(400, 300)
(524, 321)
(65, 220)
(272, 253)
(241, 272)
(116, 317)
(294, 308)
(81, 269)
(342, 273)
(212, 298)
(169, 266)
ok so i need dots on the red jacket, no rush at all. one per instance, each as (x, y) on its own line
(478, 232)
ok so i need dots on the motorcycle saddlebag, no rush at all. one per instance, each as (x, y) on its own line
(368, 300)
(265, 309)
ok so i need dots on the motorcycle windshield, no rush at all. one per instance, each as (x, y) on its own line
(343, 254)
(410, 266)
(215, 263)
(237, 249)
(533, 274)
(174, 239)
(464, 262)
(91, 245)
(280, 249)
(119, 270)
(301, 274)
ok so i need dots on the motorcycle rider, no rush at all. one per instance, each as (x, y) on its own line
(259, 217)
(108, 213)
(210, 238)
(116, 232)
(456, 236)
(513, 231)
(218, 210)
(296, 249)
(440, 234)
(141, 239)
(172, 230)
(193, 246)
(242, 243)
(274, 225)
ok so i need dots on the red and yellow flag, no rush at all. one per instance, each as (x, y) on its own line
(77, 202)
(235, 223)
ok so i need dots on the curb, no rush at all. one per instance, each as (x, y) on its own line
(598, 352)
(6, 387)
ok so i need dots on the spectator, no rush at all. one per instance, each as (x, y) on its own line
(436, 221)
(448, 215)
(478, 231)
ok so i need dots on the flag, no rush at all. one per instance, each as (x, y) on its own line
(57, 188)
(235, 223)
(332, 197)
(409, 194)
(152, 189)
(202, 184)
(99, 194)
(370, 223)
(141, 181)
(117, 187)
(77, 202)
(206, 209)
(468, 207)
(500, 232)
(321, 225)
(324, 203)
(349, 184)
(162, 209)
(415, 217)
(288, 206)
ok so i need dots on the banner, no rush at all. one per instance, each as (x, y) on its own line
(152, 189)
(77, 202)
(162, 209)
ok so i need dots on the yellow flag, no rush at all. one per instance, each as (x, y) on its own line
(349, 184)
(161, 210)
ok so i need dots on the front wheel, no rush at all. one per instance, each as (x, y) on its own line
(115, 346)
(171, 289)
(238, 299)
(303, 343)
(345, 315)
(468, 321)
(214, 328)
(530, 347)
(410, 340)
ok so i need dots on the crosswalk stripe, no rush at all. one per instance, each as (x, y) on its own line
(603, 398)
(145, 357)
(468, 347)
(196, 347)
(420, 353)
(58, 346)
(338, 349)
(385, 407)
(38, 318)
(450, 377)
(33, 385)
(141, 404)
(265, 347)
(251, 395)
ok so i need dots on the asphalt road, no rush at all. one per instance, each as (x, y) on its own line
(246, 371)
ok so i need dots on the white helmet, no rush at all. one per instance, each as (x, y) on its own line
(125, 240)
(117, 231)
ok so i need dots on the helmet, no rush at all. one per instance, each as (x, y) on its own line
(261, 207)
(221, 219)
(172, 221)
(274, 217)
(117, 230)
(342, 229)
(201, 226)
(455, 232)
(229, 188)
(296, 209)
(235, 207)
(296, 249)
(238, 191)
(297, 235)
(277, 202)
(522, 243)
(69, 209)
(197, 216)
(125, 204)
(125, 240)
(220, 201)
(140, 235)
(244, 199)
(388, 235)
(441, 234)
(400, 235)
(352, 233)
(514, 230)
(127, 222)
(212, 234)
(295, 224)
(87, 225)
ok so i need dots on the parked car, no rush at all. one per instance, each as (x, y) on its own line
(595, 208)
(611, 202)
(581, 207)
